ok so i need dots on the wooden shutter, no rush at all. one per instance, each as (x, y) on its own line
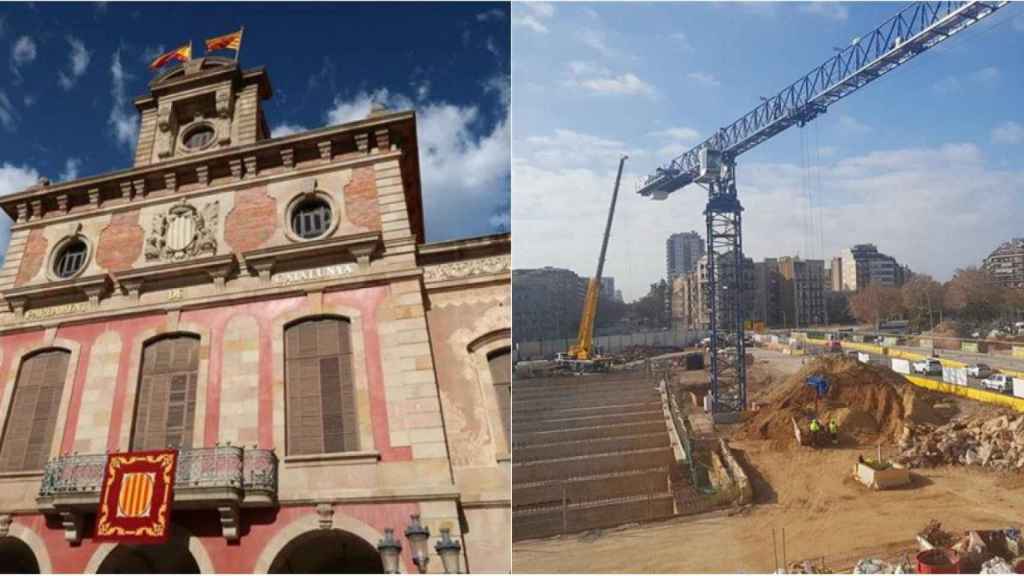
(33, 414)
(320, 404)
(166, 405)
(501, 376)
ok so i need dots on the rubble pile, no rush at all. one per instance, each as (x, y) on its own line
(991, 442)
(979, 551)
(869, 403)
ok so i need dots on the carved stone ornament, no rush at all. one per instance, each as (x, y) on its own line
(467, 268)
(183, 232)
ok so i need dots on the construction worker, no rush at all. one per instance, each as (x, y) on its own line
(815, 431)
(833, 430)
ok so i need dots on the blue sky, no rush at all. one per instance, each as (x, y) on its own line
(927, 162)
(69, 73)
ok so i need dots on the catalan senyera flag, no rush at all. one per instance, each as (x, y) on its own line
(231, 41)
(135, 500)
(182, 53)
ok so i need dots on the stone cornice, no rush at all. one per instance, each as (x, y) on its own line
(157, 171)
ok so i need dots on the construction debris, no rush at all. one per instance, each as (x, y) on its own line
(987, 551)
(869, 404)
(991, 442)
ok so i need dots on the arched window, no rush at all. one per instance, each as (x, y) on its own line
(320, 407)
(32, 417)
(166, 409)
(500, 363)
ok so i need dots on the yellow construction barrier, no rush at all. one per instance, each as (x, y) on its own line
(1012, 373)
(815, 341)
(972, 393)
(863, 347)
(906, 355)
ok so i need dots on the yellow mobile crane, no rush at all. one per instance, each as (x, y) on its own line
(582, 357)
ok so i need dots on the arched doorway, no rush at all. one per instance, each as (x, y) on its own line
(171, 557)
(16, 557)
(327, 552)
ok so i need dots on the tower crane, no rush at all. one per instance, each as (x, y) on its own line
(581, 355)
(712, 164)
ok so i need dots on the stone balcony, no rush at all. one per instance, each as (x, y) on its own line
(225, 478)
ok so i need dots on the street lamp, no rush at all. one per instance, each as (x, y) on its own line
(418, 536)
(449, 550)
(389, 549)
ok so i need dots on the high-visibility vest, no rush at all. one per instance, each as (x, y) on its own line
(815, 426)
(833, 427)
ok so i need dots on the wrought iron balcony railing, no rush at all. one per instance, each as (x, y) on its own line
(222, 467)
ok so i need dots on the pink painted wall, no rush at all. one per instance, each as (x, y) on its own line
(366, 300)
(259, 527)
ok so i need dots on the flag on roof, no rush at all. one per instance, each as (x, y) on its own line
(183, 53)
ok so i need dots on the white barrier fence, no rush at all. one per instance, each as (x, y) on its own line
(900, 365)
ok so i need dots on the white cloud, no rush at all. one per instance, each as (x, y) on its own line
(988, 75)
(123, 121)
(595, 39)
(532, 15)
(948, 84)
(603, 81)
(704, 79)
(8, 115)
(71, 167)
(1008, 133)
(570, 149)
(675, 141)
(492, 14)
(464, 170)
(23, 51)
(12, 179)
(286, 129)
(870, 199)
(681, 41)
(850, 125)
(78, 61)
(830, 10)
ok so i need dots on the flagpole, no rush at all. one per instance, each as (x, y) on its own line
(241, 33)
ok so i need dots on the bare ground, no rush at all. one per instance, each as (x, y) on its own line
(807, 492)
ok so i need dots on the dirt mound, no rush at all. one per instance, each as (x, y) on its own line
(869, 403)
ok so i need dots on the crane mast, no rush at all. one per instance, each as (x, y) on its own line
(583, 349)
(712, 163)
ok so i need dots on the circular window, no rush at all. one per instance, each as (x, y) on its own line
(71, 259)
(311, 218)
(199, 137)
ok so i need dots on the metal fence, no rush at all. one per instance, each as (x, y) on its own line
(220, 466)
(609, 344)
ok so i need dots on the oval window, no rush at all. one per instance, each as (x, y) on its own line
(199, 137)
(311, 218)
(71, 259)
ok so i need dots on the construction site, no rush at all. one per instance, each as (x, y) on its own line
(784, 454)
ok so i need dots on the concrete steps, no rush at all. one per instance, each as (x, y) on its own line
(541, 522)
(588, 452)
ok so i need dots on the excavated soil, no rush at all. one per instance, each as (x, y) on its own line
(869, 403)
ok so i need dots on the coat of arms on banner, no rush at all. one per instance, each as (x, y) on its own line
(135, 501)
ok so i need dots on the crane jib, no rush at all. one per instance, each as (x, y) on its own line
(915, 29)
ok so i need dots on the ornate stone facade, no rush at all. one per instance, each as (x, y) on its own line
(200, 247)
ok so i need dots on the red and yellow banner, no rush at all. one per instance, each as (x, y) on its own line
(182, 53)
(231, 41)
(135, 501)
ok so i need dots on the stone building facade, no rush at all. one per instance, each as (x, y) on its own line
(269, 307)
(1006, 263)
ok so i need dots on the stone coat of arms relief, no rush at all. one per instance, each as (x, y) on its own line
(183, 232)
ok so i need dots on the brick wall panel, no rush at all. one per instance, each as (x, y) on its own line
(252, 221)
(33, 257)
(120, 242)
(361, 198)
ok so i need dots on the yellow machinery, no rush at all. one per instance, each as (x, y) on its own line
(583, 351)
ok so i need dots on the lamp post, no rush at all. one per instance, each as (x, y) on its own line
(417, 534)
(389, 549)
(449, 550)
